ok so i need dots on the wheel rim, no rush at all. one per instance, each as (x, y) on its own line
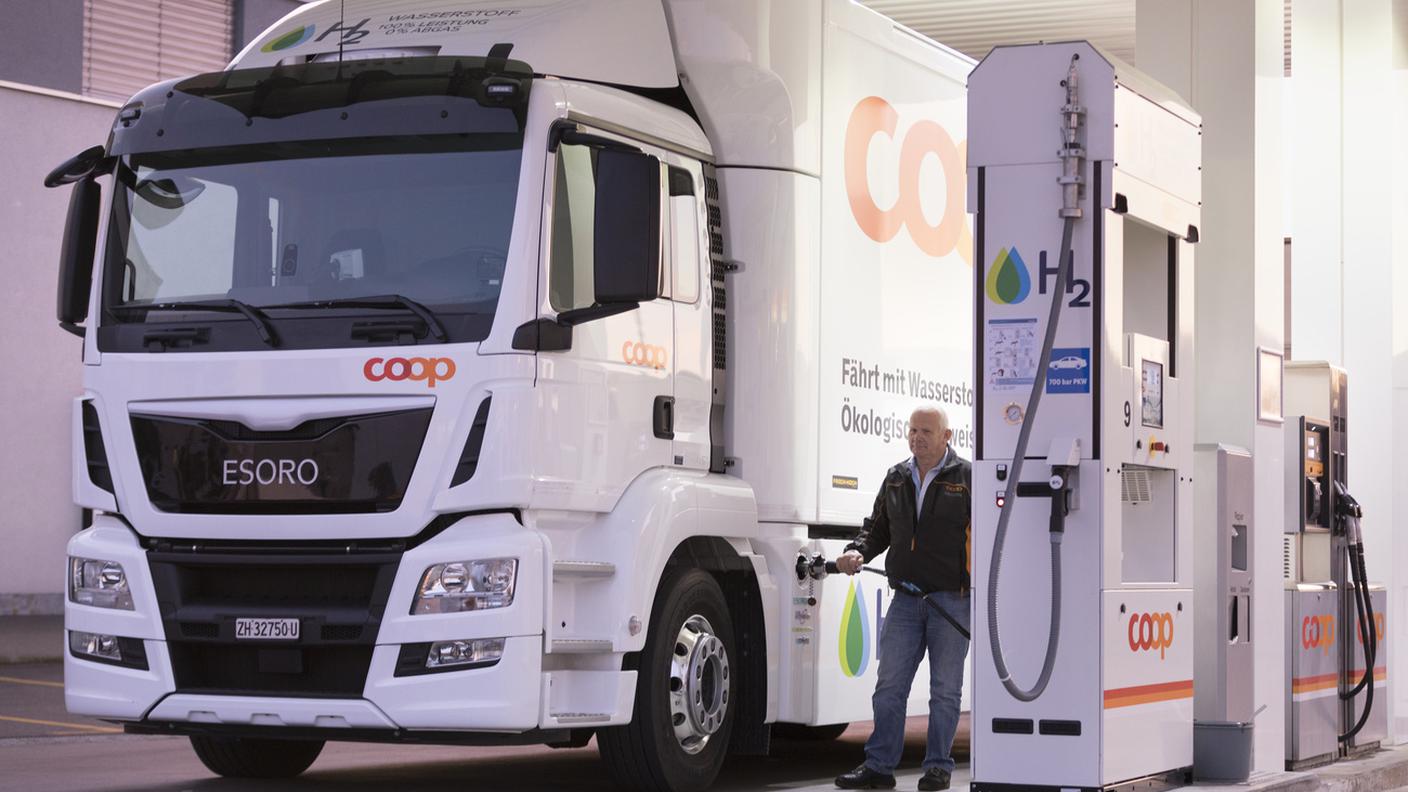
(698, 684)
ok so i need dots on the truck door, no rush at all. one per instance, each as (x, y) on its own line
(604, 398)
(687, 250)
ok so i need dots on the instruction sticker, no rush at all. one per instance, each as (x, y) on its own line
(1011, 353)
(1069, 370)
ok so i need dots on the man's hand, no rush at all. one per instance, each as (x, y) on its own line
(850, 562)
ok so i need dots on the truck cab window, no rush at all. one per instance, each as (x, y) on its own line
(174, 222)
(684, 233)
(570, 278)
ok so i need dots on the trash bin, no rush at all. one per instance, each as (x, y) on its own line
(1222, 751)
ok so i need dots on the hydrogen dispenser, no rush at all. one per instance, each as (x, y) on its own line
(1084, 181)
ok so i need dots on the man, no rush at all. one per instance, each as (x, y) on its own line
(921, 518)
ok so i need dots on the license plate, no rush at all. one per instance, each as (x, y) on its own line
(267, 629)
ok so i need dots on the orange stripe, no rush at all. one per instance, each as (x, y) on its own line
(1380, 673)
(1147, 694)
(1313, 683)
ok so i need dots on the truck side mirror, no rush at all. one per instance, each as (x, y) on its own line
(626, 232)
(76, 255)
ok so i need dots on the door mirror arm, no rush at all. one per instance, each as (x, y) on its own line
(591, 313)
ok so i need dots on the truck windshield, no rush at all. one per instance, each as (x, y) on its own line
(315, 226)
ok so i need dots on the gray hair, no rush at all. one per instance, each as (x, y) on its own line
(933, 409)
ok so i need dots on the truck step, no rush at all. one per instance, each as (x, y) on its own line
(580, 646)
(582, 570)
(581, 717)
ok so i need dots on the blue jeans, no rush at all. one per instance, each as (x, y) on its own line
(912, 627)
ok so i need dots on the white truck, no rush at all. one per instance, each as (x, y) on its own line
(486, 372)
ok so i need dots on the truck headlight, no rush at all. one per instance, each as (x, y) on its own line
(466, 586)
(102, 584)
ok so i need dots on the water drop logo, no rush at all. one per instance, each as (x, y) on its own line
(290, 39)
(854, 642)
(1008, 280)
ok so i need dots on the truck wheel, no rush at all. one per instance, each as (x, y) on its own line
(243, 757)
(678, 736)
(796, 731)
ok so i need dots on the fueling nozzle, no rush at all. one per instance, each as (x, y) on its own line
(814, 566)
(1058, 489)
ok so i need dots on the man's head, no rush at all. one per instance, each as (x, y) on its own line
(929, 435)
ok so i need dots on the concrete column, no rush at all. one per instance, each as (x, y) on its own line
(1398, 102)
(1368, 308)
(1345, 120)
(1226, 60)
(1313, 182)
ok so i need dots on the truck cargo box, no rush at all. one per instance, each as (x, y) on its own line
(840, 139)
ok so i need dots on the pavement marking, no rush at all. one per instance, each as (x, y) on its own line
(85, 727)
(40, 682)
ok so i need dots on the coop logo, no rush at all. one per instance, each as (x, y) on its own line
(1151, 631)
(290, 39)
(1378, 629)
(854, 641)
(418, 369)
(1009, 281)
(874, 116)
(641, 354)
(1318, 632)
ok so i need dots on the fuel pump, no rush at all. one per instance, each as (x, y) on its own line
(1340, 711)
(1312, 599)
(1084, 184)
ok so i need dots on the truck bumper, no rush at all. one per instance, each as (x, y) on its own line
(174, 688)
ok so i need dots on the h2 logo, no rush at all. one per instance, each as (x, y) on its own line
(350, 35)
(1078, 288)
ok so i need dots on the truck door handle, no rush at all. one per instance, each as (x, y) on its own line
(664, 418)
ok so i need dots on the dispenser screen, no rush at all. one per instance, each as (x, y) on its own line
(1152, 394)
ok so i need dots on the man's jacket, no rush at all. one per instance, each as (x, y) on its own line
(932, 551)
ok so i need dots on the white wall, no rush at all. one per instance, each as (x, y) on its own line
(1226, 60)
(39, 363)
(1349, 252)
(1398, 180)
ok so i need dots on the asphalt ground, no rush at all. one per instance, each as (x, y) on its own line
(45, 749)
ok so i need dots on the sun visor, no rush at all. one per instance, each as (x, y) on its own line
(325, 101)
(621, 42)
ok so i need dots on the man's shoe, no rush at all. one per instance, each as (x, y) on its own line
(864, 778)
(934, 778)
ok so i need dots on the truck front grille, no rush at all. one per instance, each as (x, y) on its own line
(338, 596)
(254, 670)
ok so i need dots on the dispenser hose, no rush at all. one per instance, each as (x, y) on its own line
(1048, 664)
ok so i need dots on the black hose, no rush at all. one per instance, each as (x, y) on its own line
(1365, 607)
(1359, 612)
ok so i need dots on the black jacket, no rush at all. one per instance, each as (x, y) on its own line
(932, 552)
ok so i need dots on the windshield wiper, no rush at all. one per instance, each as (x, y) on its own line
(378, 301)
(261, 322)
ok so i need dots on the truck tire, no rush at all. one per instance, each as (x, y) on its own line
(243, 757)
(796, 731)
(679, 733)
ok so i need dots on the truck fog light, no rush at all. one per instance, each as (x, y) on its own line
(94, 645)
(466, 586)
(102, 584)
(444, 654)
(110, 649)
